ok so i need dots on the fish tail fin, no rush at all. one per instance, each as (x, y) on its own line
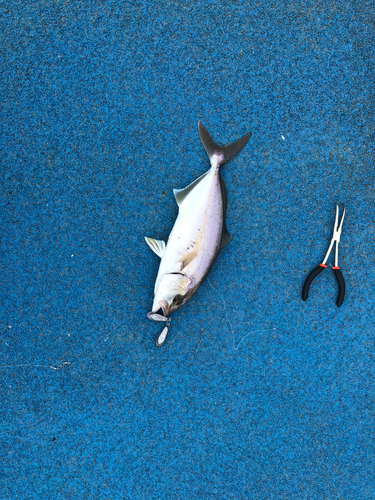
(217, 154)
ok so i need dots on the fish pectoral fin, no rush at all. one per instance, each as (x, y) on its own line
(157, 246)
(181, 194)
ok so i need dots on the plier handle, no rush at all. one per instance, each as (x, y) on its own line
(340, 279)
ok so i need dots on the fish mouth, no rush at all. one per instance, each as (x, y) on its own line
(163, 305)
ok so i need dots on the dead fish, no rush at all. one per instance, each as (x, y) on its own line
(198, 234)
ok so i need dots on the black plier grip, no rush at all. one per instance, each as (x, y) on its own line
(341, 282)
(314, 273)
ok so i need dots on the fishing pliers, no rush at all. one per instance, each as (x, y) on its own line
(340, 279)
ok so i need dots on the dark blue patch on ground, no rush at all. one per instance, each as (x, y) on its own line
(256, 394)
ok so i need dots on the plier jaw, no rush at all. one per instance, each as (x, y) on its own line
(337, 228)
(340, 279)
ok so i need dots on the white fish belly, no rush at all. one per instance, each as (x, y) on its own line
(195, 238)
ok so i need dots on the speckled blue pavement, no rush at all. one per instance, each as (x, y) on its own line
(256, 394)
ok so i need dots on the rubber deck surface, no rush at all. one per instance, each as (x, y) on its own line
(256, 394)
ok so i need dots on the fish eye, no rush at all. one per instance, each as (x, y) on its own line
(177, 300)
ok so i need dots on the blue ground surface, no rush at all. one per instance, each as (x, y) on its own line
(257, 394)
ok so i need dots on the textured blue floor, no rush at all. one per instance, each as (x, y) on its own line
(268, 398)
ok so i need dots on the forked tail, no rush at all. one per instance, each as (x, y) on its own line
(217, 154)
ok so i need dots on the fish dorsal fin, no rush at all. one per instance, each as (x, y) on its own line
(157, 246)
(225, 236)
(181, 194)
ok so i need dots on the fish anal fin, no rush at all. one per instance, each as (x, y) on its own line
(181, 194)
(157, 246)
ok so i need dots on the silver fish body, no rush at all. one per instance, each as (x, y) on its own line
(198, 234)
